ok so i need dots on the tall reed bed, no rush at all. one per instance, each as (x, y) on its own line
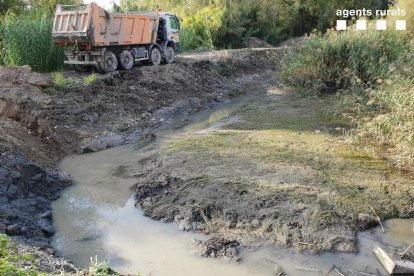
(372, 72)
(26, 39)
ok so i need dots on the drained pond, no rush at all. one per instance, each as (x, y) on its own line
(97, 217)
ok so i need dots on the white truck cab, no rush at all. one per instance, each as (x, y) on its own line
(169, 31)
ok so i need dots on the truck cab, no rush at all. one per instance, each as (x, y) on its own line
(168, 36)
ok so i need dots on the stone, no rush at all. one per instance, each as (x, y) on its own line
(39, 81)
(47, 215)
(48, 230)
(14, 230)
(217, 247)
(185, 225)
(3, 227)
(64, 177)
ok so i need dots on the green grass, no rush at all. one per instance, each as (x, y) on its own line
(61, 83)
(26, 39)
(90, 79)
(12, 263)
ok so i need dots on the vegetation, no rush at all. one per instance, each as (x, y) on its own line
(226, 23)
(11, 261)
(372, 71)
(27, 39)
(26, 25)
(26, 34)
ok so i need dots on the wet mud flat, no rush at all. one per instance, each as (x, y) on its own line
(104, 220)
(278, 171)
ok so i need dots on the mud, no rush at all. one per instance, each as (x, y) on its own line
(42, 122)
(277, 171)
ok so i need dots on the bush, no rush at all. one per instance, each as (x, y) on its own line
(26, 39)
(345, 60)
(373, 72)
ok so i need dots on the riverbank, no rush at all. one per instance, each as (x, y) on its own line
(43, 122)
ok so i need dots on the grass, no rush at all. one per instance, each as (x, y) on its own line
(90, 79)
(26, 39)
(61, 82)
(372, 74)
(13, 263)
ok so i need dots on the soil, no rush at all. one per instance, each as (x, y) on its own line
(278, 171)
(42, 121)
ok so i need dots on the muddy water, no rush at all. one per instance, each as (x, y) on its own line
(97, 217)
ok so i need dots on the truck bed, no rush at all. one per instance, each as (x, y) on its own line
(91, 26)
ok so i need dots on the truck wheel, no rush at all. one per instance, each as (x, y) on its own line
(109, 62)
(155, 56)
(169, 55)
(81, 68)
(126, 60)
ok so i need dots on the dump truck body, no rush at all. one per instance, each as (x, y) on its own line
(94, 37)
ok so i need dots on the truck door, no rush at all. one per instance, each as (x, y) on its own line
(173, 28)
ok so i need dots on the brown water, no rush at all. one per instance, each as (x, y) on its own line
(97, 217)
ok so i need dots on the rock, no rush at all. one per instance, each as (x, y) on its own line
(14, 230)
(64, 177)
(47, 215)
(3, 227)
(36, 177)
(39, 81)
(255, 223)
(185, 225)
(48, 230)
(217, 247)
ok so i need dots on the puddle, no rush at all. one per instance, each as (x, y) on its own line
(97, 217)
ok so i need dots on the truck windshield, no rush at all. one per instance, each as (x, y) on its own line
(173, 23)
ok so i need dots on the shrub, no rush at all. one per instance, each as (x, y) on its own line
(373, 72)
(345, 60)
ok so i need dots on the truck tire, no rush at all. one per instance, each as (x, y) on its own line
(109, 62)
(155, 56)
(126, 60)
(169, 55)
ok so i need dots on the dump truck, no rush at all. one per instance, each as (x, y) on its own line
(93, 37)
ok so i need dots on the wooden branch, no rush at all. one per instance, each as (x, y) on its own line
(378, 218)
(406, 250)
(360, 272)
(340, 273)
(391, 266)
(308, 269)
